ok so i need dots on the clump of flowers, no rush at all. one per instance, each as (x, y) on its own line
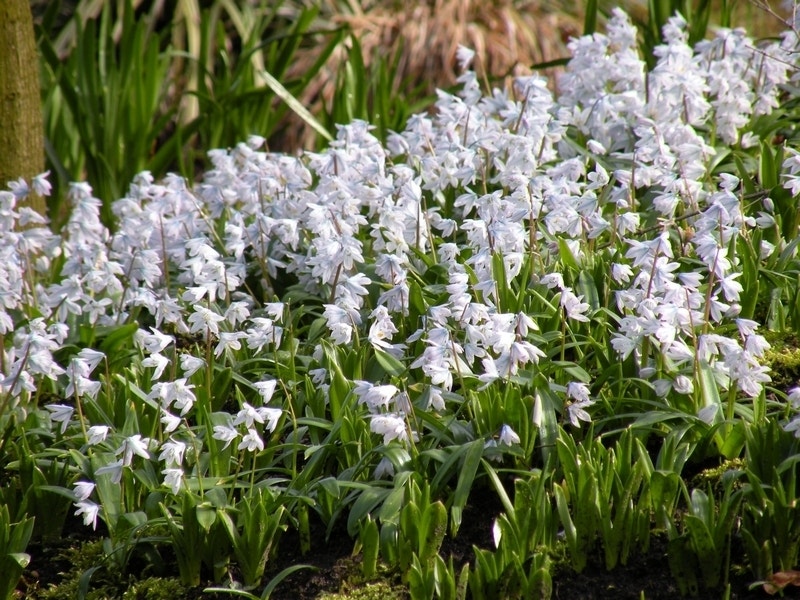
(512, 243)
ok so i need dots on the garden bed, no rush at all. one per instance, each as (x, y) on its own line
(520, 349)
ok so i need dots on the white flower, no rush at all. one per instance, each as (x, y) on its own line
(204, 320)
(173, 479)
(576, 412)
(275, 310)
(248, 415)
(793, 397)
(158, 361)
(573, 306)
(793, 427)
(191, 364)
(41, 185)
(553, 280)
(318, 376)
(236, 313)
(683, 385)
(272, 415)
(464, 57)
(97, 434)
(225, 433)
(385, 468)
(341, 333)
(621, 273)
(153, 343)
(435, 398)
(708, 414)
(169, 421)
(134, 445)
(524, 324)
(91, 358)
(375, 396)
(266, 389)
(578, 391)
(508, 436)
(662, 387)
(229, 340)
(60, 413)
(83, 489)
(251, 441)
(182, 395)
(390, 426)
(172, 452)
(89, 510)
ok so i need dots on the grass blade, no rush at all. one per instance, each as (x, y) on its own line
(296, 106)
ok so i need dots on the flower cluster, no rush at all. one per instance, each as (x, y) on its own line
(480, 248)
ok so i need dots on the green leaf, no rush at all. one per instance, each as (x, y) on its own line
(391, 507)
(416, 301)
(370, 546)
(297, 106)
(683, 564)
(734, 441)
(367, 501)
(570, 531)
(465, 479)
(231, 591)
(767, 172)
(748, 186)
(590, 20)
(206, 516)
(574, 370)
(221, 386)
(85, 580)
(709, 556)
(588, 289)
(20, 558)
(709, 392)
(118, 338)
(390, 364)
(275, 581)
(566, 255)
(435, 528)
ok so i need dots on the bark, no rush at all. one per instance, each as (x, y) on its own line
(21, 128)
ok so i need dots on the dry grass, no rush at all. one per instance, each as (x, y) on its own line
(508, 36)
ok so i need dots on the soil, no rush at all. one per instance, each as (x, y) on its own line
(645, 576)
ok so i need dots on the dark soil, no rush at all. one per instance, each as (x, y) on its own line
(645, 576)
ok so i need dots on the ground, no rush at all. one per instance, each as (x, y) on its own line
(338, 577)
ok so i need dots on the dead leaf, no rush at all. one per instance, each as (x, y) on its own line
(777, 581)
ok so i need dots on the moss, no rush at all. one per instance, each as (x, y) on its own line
(152, 588)
(385, 585)
(377, 590)
(713, 476)
(783, 359)
(103, 584)
(155, 588)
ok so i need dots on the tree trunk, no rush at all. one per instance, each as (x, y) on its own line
(21, 128)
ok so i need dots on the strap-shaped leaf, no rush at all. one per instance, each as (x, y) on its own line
(296, 106)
